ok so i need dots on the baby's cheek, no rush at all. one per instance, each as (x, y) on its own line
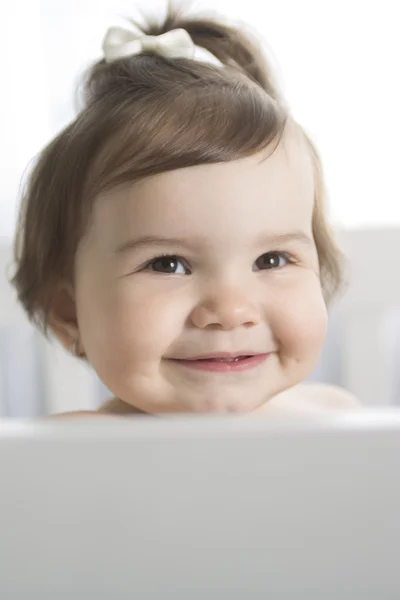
(144, 327)
(301, 323)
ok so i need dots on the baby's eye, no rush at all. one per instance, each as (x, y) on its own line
(167, 264)
(272, 260)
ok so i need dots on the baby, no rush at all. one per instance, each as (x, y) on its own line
(174, 235)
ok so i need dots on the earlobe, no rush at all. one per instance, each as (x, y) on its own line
(62, 316)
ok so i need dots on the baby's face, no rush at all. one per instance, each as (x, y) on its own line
(224, 284)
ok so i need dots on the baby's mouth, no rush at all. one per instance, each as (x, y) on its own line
(222, 364)
(219, 359)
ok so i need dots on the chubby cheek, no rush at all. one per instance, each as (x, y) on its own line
(129, 329)
(299, 322)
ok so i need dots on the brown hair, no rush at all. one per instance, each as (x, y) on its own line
(143, 115)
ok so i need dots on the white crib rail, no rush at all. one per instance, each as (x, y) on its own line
(69, 383)
(62, 381)
(367, 365)
(373, 293)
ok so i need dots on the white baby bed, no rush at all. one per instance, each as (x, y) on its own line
(360, 353)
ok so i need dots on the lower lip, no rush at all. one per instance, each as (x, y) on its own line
(224, 367)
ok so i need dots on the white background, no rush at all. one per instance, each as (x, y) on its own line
(338, 62)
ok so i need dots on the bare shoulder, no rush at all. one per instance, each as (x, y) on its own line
(330, 396)
(112, 408)
(317, 397)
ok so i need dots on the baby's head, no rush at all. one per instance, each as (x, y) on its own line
(181, 215)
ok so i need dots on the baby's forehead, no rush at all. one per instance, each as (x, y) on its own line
(276, 184)
(288, 160)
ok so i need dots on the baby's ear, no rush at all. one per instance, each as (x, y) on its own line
(62, 317)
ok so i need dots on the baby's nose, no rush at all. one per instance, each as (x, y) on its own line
(227, 309)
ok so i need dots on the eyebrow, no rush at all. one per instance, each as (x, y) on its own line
(138, 243)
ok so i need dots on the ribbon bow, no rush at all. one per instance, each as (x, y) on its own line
(120, 42)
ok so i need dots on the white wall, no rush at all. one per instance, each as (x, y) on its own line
(339, 68)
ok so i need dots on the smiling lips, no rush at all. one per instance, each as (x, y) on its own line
(223, 362)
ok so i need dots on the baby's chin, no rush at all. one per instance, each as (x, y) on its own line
(223, 406)
(190, 402)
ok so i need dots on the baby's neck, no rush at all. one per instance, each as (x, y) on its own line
(116, 406)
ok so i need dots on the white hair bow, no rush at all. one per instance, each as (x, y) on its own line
(120, 43)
